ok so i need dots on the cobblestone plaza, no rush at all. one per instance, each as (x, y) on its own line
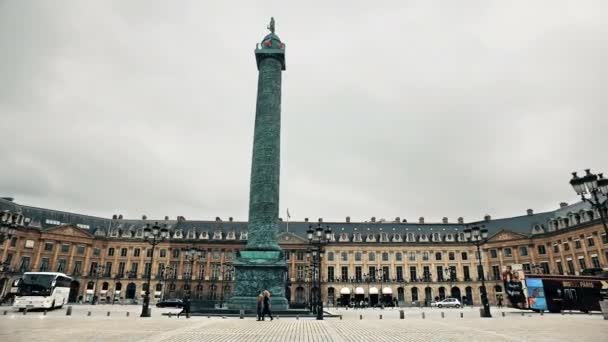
(513, 326)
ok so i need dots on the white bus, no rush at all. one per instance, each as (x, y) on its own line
(42, 290)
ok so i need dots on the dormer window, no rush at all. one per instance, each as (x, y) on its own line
(357, 237)
(461, 237)
(332, 237)
(217, 235)
(423, 238)
(139, 233)
(126, 234)
(231, 236)
(114, 233)
(449, 237)
(410, 237)
(204, 236)
(243, 236)
(371, 238)
(344, 237)
(397, 237)
(191, 234)
(100, 232)
(178, 234)
(383, 237)
(436, 237)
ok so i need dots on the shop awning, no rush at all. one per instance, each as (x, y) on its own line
(359, 290)
(387, 291)
(373, 290)
(345, 291)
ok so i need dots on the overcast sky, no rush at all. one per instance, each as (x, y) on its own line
(402, 108)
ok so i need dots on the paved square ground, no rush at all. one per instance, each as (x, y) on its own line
(56, 326)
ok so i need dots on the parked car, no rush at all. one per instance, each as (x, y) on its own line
(170, 303)
(447, 303)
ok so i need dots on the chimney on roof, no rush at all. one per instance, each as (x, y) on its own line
(347, 219)
(166, 218)
(373, 219)
(397, 219)
(218, 219)
(487, 217)
(404, 220)
(306, 219)
(280, 219)
(120, 217)
(320, 219)
(445, 220)
(530, 212)
(563, 204)
(460, 220)
(421, 219)
(230, 219)
(114, 217)
(144, 217)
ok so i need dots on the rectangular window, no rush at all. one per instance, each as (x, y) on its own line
(344, 256)
(149, 252)
(121, 269)
(398, 256)
(526, 267)
(330, 273)
(386, 275)
(358, 256)
(300, 255)
(425, 256)
(288, 255)
(215, 272)
(148, 269)
(358, 273)
(14, 242)
(77, 267)
(582, 264)
(570, 264)
(464, 256)
(134, 267)
(110, 251)
(399, 273)
(453, 274)
(465, 271)
(80, 250)
(541, 249)
(96, 251)
(371, 273)
(595, 261)
(495, 272)
(384, 256)
(163, 253)
(590, 241)
(577, 244)
(426, 273)
(344, 274)
(175, 253)
(566, 246)
(371, 256)
(48, 247)
(412, 256)
(25, 264)
(123, 252)
(93, 268)
(44, 266)
(438, 256)
(544, 267)
(136, 252)
(507, 252)
(439, 273)
(493, 254)
(560, 267)
(451, 256)
(523, 251)
(108, 269)
(413, 276)
(61, 265)
(555, 248)
(65, 248)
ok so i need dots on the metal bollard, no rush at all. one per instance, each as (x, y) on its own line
(208, 316)
(241, 313)
(360, 317)
(522, 314)
(542, 312)
(297, 317)
(5, 312)
(562, 312)
(461, 315)
(89, 313)
(442, 315)
(380, 316)
(128, 313)
(278, 316)
(25, 311)
(108, 313)
(68, 312)
(503, 314)
(340, 317)
(223, 317)
(44, 313)
(423, 315)
(401, 314)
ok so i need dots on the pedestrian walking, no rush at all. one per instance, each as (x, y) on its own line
(266, 309)
(185, 308)
(260, 306)
(500, 302)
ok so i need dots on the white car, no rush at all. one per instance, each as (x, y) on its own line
(447, 303)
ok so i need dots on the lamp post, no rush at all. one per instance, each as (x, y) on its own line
(478, 236)
(317, 240)
(163, 279)
(153, 235)
(192, 254)
(379, 272)
(8, 224)
(595, 186)
(225, 269)
(98, 271)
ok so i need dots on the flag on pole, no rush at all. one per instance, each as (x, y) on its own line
(288, 216)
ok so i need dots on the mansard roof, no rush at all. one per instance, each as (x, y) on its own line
(527, 224)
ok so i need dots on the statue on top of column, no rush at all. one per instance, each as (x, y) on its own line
(271, 25)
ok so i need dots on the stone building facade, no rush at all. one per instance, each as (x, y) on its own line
(374, 261)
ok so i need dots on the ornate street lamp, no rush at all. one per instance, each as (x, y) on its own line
(317, 240)
(153, 235)
(478, 236)
(192, 254)
(8, 224)
(225, 269)
(596, 186)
